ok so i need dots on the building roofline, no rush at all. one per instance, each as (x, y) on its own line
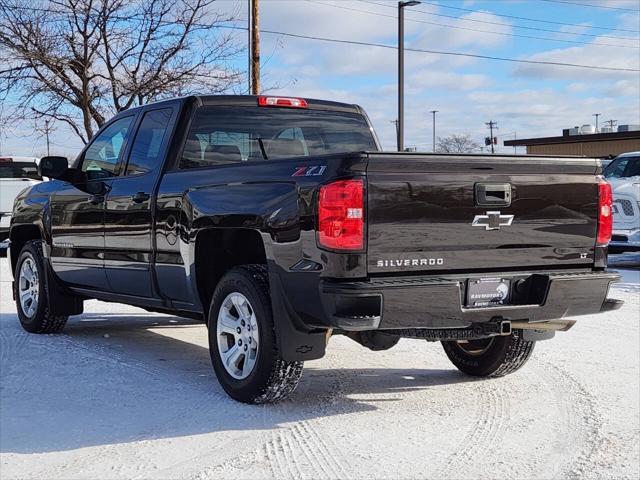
(594, 137)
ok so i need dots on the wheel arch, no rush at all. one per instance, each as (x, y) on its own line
(218, 250)
(19, 236)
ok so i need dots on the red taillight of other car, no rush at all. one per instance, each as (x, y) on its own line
(605, 213)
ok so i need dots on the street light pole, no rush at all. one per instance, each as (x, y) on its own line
(434, 129)
(401, 6)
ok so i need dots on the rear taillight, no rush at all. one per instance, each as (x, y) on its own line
(605, 213)
(341, 215)
(282, 102)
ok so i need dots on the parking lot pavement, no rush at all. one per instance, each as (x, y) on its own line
(123, 393)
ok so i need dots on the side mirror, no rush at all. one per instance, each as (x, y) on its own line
(53, 167)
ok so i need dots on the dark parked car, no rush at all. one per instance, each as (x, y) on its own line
(278, 223)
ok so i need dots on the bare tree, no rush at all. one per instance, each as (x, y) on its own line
(80, 61)
(457, 144)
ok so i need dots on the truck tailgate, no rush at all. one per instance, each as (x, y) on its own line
(465, 213)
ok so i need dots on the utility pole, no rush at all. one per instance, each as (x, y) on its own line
(255, 48)
(249, 46)
(612, 123)
(46, 132)
(401, 6)
(491, 124)
(433, 112)
(596, 115)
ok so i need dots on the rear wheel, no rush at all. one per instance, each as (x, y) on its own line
(32, 292)
(242, 339)
(490, 357)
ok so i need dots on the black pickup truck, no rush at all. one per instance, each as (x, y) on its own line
(278, 222)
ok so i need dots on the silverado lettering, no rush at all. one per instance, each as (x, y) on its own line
(411, 262)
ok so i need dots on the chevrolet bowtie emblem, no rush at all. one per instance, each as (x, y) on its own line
(492, 220)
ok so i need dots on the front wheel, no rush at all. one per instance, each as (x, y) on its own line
(31, 292)
(490, 357)
(242, 339)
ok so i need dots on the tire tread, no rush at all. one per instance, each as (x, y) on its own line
(506, 356)
(282, 378)
(284, 375)
(48, 323)
(517, 354)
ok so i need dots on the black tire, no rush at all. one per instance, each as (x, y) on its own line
(494, 357)
(42, 320)
(272, 379)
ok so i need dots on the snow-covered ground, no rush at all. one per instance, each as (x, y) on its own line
(128, 394)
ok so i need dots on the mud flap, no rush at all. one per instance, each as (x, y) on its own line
(61, 303)
(295, 342)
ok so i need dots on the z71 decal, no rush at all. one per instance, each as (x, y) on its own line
(306, 171)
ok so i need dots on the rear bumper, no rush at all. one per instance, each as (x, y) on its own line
(438, 302)
(626, 238)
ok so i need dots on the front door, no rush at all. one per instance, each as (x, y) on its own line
(77, 210)
(129, 207)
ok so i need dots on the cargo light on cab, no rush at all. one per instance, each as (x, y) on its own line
(282, 102)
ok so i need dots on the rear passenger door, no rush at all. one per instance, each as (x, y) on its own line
(130, 205)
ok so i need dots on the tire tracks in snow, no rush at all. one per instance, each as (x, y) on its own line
(300, 452)
(122, 466)
(297, 450)
(12, 341)
(492, 408)
(576, 415)
(584, 418)
(321, 454)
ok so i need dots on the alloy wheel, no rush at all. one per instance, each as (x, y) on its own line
(28, 287)
(237, 334)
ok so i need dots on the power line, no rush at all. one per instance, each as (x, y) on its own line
(382, 45)
(538, 29)
(566, 2)
(441, 52)
(472, 29)
(528, 19)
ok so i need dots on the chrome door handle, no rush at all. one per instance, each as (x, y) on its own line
(140, 197)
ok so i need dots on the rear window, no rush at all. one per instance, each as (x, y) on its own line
(19, 170)
(221, 135)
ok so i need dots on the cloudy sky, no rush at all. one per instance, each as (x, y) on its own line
(526, 99)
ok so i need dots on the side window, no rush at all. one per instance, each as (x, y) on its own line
(616, 168)
(209, 143)
(101, 158)
(633, 170)
(148, 142)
